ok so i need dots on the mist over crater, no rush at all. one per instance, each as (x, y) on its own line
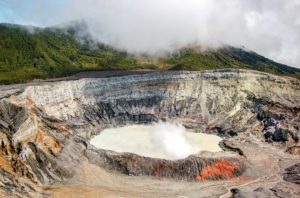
(149, 98)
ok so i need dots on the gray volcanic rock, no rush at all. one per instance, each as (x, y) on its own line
(221, 102)
(191, 168)
(45, 129)
(11, 116)
(259, 192)
(292, 174)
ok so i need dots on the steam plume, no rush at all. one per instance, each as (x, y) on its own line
(170, 138)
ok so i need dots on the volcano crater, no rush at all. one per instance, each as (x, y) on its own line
(57, 122)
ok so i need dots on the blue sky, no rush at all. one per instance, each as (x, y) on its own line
(22, 11)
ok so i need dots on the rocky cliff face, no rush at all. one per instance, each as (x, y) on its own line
(44, 129)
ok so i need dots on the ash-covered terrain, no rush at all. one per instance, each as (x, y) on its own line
(45, 133)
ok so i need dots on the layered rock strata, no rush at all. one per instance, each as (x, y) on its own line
(44, 129)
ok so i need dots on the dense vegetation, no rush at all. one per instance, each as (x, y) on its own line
(228, 57)
(56, 52)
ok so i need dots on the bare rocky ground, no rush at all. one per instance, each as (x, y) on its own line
(263, 178)
(45, 130)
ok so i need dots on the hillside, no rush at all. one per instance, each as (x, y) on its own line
(28, 53)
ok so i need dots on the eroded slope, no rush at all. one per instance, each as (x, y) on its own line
(45, 129)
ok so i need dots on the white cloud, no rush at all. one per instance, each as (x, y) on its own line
(269, 27)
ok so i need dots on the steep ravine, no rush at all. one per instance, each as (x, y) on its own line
(45, 129)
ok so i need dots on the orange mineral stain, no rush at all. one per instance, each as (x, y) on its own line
(47, 143)
(221, 168)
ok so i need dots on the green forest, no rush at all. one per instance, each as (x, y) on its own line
(54, 52)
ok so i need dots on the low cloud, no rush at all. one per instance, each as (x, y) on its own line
(269, 27)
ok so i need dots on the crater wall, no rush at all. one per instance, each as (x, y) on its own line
(45, 128)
